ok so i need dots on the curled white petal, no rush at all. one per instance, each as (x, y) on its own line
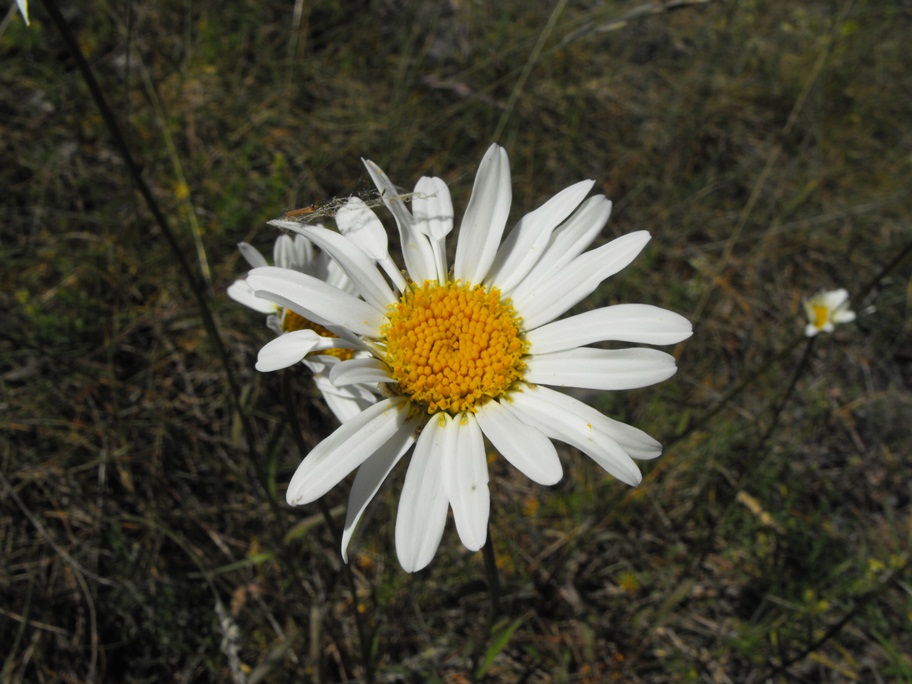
(603, 369)
(295, 253)
(360, 225)
(432, 208)
(364, 275)
(315, 300)
(416, 250)
(286, 350)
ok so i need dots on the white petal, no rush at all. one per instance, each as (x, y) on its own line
(485, 217)
(633, 440)
(23, 8)
(603, 369)
(640, 323)
(359, 224)
(570, 240)
(283, 252)
(433, 211)
(423, 503)
(303, 254)
(241, 292)
(835, 298)
(466, 479)
(364, 275)
(252, 255)
(327, 270)
(577, 280)
(308, 296)
(433, 208)
(524, 446)
(559, 423)
(345, 402)
(286, 350)
(371, 475)
(419, 258)
(345, 449)
(843, 316)
(360, 371)
(526, 243)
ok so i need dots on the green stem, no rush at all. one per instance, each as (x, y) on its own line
(527, 69)
(493, 578)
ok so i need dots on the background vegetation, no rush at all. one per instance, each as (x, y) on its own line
(765, 144)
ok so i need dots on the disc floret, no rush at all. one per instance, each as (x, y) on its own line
(452, 347)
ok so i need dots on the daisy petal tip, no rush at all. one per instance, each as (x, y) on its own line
(474, 545)
(412, 563)
(632, 477)
(552, 477)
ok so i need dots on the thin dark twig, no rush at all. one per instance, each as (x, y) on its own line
(136, 174)
(72, 562)
(708, 541)
(884, 272)
(734, 391)
(793, 381)
(838, 626)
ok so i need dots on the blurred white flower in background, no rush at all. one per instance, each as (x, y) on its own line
(825, 310)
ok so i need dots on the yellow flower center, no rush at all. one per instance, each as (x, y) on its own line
(453, 347)
(292, 321)
(821, 315)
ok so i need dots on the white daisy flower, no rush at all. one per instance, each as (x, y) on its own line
(303, 339)
(467, 353)
(825, 310)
